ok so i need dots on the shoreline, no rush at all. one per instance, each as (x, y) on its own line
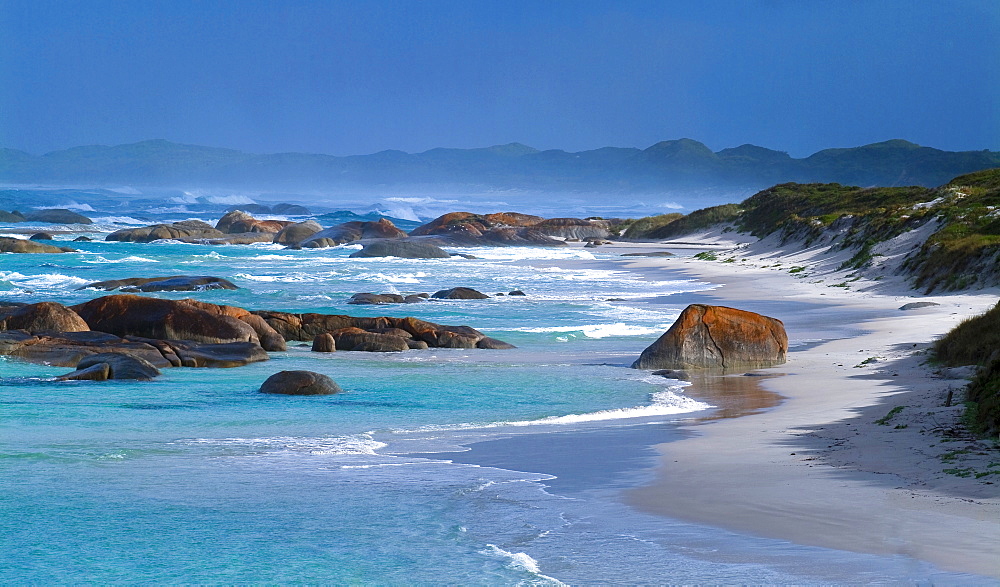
(819, 469)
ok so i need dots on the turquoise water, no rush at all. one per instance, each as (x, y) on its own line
(196, 477)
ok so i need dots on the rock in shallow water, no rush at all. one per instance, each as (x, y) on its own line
(300, 383)
(717, 337)
(121, 366)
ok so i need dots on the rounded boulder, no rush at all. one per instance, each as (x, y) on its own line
(300, 383)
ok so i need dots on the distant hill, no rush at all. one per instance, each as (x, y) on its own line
(676, 164)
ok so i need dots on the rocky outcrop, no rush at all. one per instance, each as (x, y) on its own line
(403, 249)
(717, 337)
(238, 221)
(172, 283)
(353, 231)
(306, 327)
(178, 230)
(19, 245)
(459, 293)
(67, 349)
(40, 236)
(57, 216)
(297, 232)
(300, 383)
(502, 229)
(131, 315)
(42, 317)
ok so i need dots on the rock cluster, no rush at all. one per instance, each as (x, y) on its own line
(189, 333)
(719, 338)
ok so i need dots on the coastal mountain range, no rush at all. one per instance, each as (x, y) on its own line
(673, 164)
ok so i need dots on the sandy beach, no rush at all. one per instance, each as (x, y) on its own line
(830, 466)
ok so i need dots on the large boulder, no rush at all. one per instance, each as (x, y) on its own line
(19, 245)
(459, 293)
(172, 283)
(373, 298)
(353, 231)
(131, 315)
(300, 383)
(356, 339)
(297, 232)
(121, 366)
(501, 229)
(41, 236)
(57, 216)
(178, 230)
(186, 353)
(238, 221)
(43, 316)
(718, 338)
(402, 249)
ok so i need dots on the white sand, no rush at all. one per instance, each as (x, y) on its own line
(819, 469)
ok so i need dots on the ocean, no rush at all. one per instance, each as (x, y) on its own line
(440, 466)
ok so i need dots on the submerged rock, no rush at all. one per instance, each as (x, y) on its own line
(171, 283)
(300, 383)
(717, 337)
(121, 366)
(97, 372)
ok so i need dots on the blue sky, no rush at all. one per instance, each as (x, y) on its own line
(359, 77)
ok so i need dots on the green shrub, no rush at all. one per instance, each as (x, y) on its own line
(972, 342)
(983, 401)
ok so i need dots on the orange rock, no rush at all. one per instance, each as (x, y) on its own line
(717, 337)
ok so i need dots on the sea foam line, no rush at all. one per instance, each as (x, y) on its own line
(521, 561)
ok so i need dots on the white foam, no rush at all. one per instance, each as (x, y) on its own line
(521, 561)
(130, 259)
(71, 206)
(599, 330)
(44, 281)
(358, 444)
(662, 403)
(118, 220)
(525, 253)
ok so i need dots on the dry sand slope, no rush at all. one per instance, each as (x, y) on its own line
(830, 466)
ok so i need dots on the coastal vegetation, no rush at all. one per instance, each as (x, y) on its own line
(959, 246)
(976, 341)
